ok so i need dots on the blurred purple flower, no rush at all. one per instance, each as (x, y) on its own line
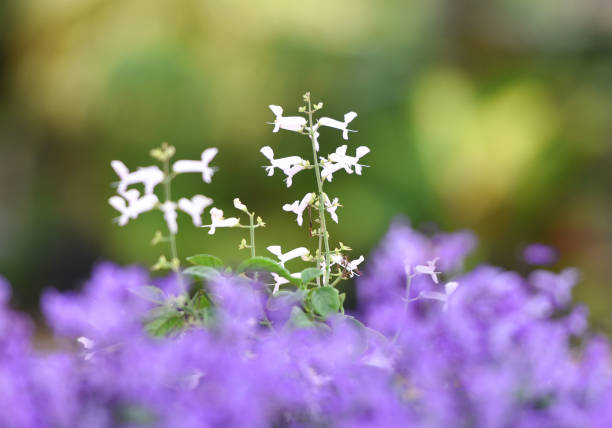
(540, 254)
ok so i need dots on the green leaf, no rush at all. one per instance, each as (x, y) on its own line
(299, 319)
(325, 300)
(150, 293)
(206, 260)
(200, 300)
(310, 273)
(167, 321)
(205, 272)
(267, 264)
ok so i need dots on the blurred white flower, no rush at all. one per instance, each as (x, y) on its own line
(297, 252)
(341, 157)
(134, 205)
(449, 288)
(169, 210)
(240, 206)
(200, 166)
(290, 172)
(150, 176)
(298, 207)
(429, 269)
(195, 207)
(343, 126)
(217, 220)
(279, 280)
(289, 123)
(283, 163)
(329, 168)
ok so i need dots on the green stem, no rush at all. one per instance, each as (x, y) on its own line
(252, 232)
(321, 200)
(172, 239)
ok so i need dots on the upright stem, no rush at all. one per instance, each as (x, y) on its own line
(252, 231)
(172, 239)
(323, 230)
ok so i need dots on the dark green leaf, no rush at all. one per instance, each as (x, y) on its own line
(267, 264)
(310, 273)
(167, 321)
(325, 300)
(205, 272)
(206, 260)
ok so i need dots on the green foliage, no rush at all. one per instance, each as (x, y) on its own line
(206, 260)
(204, 272)
(165, 321)
(269, 265)
(150, 293)
(310, 273)
(325, 300)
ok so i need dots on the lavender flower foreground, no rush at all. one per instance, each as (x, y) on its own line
(503, 353)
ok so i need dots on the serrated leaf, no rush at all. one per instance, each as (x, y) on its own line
(206, 260)
(299, 319)
(325, 300)
(205, 272)
(267, 264)
(151, 293)
(310, 273)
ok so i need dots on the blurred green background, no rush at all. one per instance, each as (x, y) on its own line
(493, 115)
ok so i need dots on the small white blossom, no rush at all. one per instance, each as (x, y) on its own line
(150, 176)
(169, 210)
(449, 288)
(217, 220)
(195, 207)
(297, 252)
(429, 269)
(279, 280)
(283, 163)
(88, 345)
(331, 207)
(289, 123)
(329, 168)
(290, 172)
(134, 205)
(240, 206)
(343, 126)
(341, 157)
(349, 266)
(298, 207)
(200, 166)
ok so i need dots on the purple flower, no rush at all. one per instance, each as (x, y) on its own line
(540, 254)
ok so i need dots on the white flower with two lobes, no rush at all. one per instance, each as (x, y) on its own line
(331, 207)
(217, 220)
(133, 205)
(149, 176)
(298, 207)
(282, 163)
(195, 207)
(429, 269)
(198, 166)
(289, 123)
(342, 126)
(301, 252)
(170, 215)
(349, 266)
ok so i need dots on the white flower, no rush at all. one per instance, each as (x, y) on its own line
(134, 206)
(297, 252)
(343, 126)
(88, 345)
(150, 176)
(200, 166)
(283, 163)
(195, 207)
(329, 168)
(279, 280)
(341, 157)
(217, 220)
(449, 288)
(290, 123)
(169, 210)
(298, 207)
(240, 206)
(331, 207)
(430, 269)
(350, 267)
(290, 172)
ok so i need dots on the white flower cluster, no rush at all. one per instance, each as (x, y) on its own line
(131, 204)
(325, 168)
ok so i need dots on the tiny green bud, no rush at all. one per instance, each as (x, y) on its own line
(243, 244)
(162, 263)
(306, 96)
(157, 238)
(318, 106)
(260, 222)
(302, 109)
